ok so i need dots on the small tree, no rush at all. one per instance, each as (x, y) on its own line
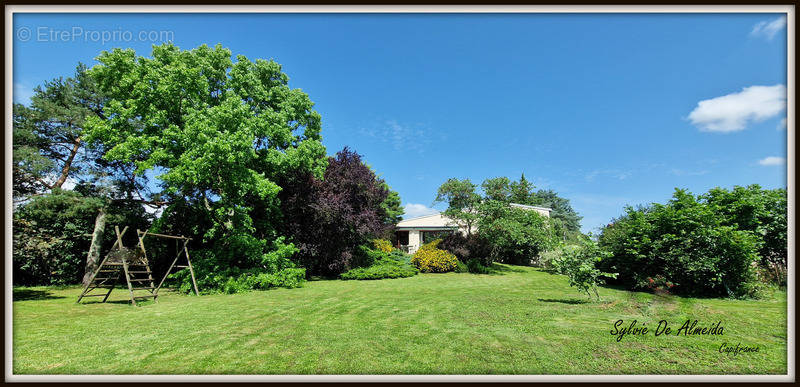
(521, 191)
(392, 206)
(579, 265)
(462, 202)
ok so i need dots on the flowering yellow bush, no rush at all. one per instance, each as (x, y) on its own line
(429, 259)
(382, 245)
(430, 245)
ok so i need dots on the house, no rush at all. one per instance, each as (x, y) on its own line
(413, 233)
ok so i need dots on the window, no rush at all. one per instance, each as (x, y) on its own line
(430, 236)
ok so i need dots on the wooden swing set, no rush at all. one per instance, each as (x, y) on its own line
(135, 267)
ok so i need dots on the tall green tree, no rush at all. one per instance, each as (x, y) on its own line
(220, 133)
(561, 207)
(521, 191)
(48, 134)
(49, 149)
(462, 202)
(497, 188)
(392, 206)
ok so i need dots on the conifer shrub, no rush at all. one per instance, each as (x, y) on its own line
(393, 264)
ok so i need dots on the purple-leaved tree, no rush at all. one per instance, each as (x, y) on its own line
(328, 219)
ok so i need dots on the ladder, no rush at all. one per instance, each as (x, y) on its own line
(122, 262)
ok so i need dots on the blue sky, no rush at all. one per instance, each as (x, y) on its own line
(606, 109)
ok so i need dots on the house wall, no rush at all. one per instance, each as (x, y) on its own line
(413, 241)
(441, 222)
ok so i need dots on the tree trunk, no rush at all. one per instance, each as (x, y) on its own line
(93, 259)
(76, 145)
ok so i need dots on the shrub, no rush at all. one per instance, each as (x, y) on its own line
(548, 258)
(366, 256)
(763, 213)
(429, 259)
(394, 264)
(467, 247)
(275, 270)
(383, 245)
(686, 243)
(239, 281)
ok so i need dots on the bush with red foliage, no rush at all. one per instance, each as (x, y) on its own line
(328, 219)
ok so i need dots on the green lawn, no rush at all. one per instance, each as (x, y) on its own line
(518, 321)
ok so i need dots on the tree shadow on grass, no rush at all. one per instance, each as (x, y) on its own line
(496, 269)
(570, 301)
(31, 294)
(119, 302)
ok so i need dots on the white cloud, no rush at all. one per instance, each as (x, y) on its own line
(401, 137)
(413, 210)
(22, 93)
(782, 124)
(733, 112)
(769, 29)
(772, 160)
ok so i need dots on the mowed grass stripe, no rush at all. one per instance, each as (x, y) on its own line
(518, 321)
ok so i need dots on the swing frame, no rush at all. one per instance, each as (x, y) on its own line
(122, 267)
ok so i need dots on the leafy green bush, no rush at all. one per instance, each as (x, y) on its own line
(517, 236)
(394, 264)
(687, 243)
(429, 259)
(275, 270)
(233, 281)
(763, 213)
(578, 264)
